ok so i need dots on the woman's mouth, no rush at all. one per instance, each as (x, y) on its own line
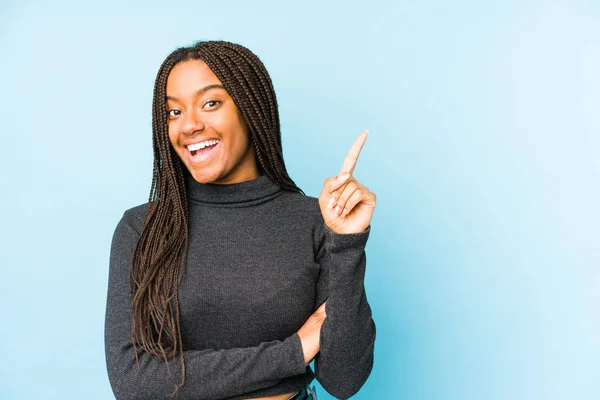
(200, 155)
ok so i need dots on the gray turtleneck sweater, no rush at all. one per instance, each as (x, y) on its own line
(260, 261)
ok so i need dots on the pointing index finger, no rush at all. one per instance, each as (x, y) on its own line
(352, 156)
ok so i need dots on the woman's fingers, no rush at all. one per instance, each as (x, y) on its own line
(321, 307)
(352, 156)
(353, 190)
(343, 194)
(348, 204)
(310, 333)
(335, 182)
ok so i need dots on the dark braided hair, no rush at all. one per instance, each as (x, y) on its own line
(162, 246)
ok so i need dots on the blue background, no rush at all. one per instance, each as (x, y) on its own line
(483, 267)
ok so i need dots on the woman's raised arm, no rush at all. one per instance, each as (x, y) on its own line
(347, 337)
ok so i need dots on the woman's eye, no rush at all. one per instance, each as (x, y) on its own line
(211, 103)
(172, 111)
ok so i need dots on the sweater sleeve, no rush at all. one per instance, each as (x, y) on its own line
(209, 373)
(347, 336)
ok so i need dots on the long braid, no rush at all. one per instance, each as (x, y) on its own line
(267, 139)
(162, 247)
(259, 107)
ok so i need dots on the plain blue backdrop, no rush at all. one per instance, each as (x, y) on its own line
(483, 266)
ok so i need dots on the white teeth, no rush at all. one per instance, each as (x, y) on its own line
(201, 145)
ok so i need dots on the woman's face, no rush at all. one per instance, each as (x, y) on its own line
(202, 113)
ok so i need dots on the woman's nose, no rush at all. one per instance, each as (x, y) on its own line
(192, 123)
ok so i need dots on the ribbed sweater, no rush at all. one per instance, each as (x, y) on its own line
(260, 260)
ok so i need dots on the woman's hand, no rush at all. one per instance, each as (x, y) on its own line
(347, 205)
(310, 334)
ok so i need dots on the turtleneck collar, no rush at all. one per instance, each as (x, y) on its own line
(241, 194)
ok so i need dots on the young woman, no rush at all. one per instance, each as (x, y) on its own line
(229, 281)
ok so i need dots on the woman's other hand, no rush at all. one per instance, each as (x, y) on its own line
(310, 333)
(347, 205)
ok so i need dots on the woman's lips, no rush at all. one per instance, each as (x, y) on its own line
(202, 154)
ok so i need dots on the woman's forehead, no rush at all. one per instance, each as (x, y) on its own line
(191, 78)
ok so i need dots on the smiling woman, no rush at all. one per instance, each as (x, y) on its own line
(230, 281)
(206, 128)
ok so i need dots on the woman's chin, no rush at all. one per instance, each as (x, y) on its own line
(205, 178)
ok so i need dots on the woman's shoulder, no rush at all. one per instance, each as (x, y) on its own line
(134, 217)
(308, 205)
(305, 212)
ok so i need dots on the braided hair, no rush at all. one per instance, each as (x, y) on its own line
(162, 246)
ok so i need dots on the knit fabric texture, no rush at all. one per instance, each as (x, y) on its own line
(260, 261)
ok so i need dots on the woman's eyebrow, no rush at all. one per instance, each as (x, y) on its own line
(201, 91)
